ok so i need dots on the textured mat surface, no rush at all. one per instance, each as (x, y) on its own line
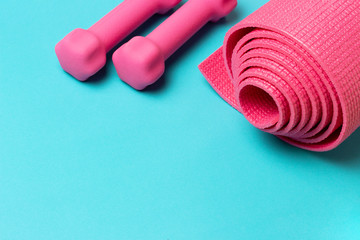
(292, 68)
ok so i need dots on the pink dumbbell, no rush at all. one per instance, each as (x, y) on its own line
(82, 53)
(141, 61)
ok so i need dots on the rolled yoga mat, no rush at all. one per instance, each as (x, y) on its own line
(292, 68)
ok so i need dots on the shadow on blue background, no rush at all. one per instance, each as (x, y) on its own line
(347, 154)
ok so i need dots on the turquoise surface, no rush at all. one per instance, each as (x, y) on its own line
(99, 160)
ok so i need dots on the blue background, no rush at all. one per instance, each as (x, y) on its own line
(99, 160)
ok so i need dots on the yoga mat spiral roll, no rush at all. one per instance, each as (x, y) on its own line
(292, 68)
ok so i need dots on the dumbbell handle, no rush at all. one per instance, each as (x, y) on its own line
(190, 18)
(126, 17)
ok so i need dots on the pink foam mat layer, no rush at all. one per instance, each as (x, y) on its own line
(292, 68)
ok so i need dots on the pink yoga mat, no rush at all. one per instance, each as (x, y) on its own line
(292, 68)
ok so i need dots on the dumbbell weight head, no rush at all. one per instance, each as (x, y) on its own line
(141, 60)
(81, 54)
